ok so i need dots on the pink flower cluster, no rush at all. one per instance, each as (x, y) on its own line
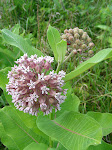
(34, 86)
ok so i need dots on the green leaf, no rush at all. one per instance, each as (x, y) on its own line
(71, 103)
(7, 140)
(104, 27)
(18, 41)
(53, 38)
(104, 119)
(16, 135)
(35, 146)
(8, 53)
(41, 146)
(73, 130)
(102, 146)
(100, 56)
(3, 77)
(16, 29)
(28, 120)
(61, 50)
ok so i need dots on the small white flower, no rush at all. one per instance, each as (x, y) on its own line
(44, 89)
(41, 76)
(34, 56)
(26, 110)
(49, 59)
(43, 106)
(52, 74)
(57, 96)
(40, 59)
(62, 73)
(25, 69)
(31, 84)
(34, 96)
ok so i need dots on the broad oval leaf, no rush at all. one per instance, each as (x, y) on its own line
(104, 119)
(53, 38)
(73, 130)
(18, 41)
(100, 56)
(15, 132)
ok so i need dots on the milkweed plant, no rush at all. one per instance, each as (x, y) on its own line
(43, 111)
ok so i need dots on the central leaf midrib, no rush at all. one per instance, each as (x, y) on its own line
(74, 131)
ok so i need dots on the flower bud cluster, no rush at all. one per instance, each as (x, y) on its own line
(34, 86)
(78, 40)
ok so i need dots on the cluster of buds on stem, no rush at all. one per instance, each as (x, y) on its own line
(34, 86)
(78, 41)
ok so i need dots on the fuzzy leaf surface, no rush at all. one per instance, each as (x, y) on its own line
(73, 130)
(100, 56)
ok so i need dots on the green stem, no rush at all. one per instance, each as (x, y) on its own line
(58, 67)
(68, 57)
(50, 139)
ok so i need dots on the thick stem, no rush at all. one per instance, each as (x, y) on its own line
(51, 117)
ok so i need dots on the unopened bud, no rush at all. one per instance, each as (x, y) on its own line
(79, 50)
(68, 35)
(90, 52)
(88, 39)
(64, 36)
(75, 31)
(76, 28)
(76, 35)
(84, 46)
(78, 42)
(91, 45)
(69, 49)
(74, 51)
(71, 31)
(75, 45)
(71, 38)
(85, 33)
(80, 31)
(65, 31)
(84, 36)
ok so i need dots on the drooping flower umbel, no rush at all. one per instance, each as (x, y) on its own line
(34, 86)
